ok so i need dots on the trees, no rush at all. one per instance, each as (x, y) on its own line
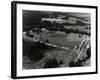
(75, 64)
(52, 63)
(37, 51)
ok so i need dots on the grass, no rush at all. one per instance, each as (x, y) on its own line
(61, 39)
(37, 56)
(52, 53)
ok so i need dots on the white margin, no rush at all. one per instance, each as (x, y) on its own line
(35, 72)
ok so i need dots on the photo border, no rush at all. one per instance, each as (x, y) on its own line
(14, 39)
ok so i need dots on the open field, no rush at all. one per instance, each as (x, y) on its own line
(61, 55)
(36, 54)
(67, 40)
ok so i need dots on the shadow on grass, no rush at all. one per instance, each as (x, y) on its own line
(34, 50)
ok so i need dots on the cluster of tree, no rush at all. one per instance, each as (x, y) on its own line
(53, 27)
(29, 34)
(52, 63)
(34, 50)
(76, 31)
(59, 27)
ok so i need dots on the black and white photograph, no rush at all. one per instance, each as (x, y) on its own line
(53, 39)
(56, 39)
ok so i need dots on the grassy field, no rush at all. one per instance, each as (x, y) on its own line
(36, 55)
(60, 55)
(67, 40)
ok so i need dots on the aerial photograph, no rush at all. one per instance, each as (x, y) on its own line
(56, 39)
